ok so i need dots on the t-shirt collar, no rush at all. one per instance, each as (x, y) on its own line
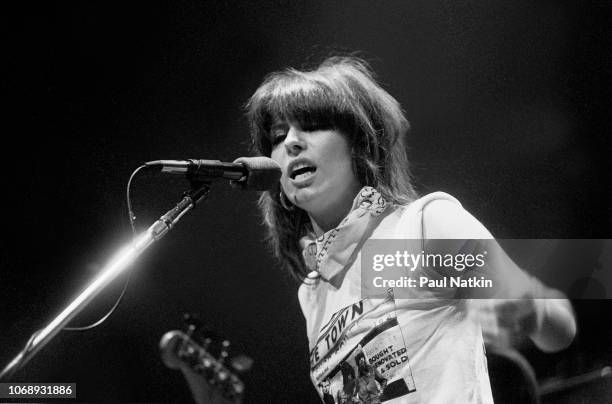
(331, 253)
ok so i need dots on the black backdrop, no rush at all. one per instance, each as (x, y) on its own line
(508, 113)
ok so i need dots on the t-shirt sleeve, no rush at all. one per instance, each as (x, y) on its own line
(445, 220)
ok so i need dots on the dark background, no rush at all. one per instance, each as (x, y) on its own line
(509, 114)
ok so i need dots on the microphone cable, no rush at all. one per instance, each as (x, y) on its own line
(132, 218)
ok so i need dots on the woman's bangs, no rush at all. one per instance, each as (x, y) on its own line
(308, 104)
(302, 101)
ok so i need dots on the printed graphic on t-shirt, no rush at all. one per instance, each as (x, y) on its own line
(360, 355)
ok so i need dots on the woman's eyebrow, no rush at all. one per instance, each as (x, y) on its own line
(278, 125)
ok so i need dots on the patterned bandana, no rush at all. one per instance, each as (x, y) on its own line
(327, 256)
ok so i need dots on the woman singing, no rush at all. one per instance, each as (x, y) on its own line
(339, 138)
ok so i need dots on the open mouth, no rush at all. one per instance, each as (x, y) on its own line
(302, 171)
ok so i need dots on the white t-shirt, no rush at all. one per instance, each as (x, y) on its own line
(422, 350)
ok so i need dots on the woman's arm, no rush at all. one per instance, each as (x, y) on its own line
(521, 302)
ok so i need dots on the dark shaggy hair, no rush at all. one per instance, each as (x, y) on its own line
(341, 94)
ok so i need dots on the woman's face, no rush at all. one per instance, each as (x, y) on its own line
(317, 169)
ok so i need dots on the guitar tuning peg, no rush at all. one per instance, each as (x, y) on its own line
(206, 363)
(193, 322)
(224, 351)
(222, 376)
(207, 370)
(242, 363)
(238, 387)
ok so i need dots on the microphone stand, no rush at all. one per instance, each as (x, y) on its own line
(121, 261)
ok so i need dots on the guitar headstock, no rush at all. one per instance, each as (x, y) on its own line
(183, 350)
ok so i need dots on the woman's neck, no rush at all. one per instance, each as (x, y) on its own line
(320, 229)
(331, 218)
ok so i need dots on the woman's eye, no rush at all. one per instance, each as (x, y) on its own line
(277, 136)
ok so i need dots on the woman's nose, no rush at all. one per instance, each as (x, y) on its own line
(294, 142)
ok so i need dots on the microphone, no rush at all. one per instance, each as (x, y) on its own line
(257, 173)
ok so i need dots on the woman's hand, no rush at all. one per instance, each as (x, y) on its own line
(548, 322)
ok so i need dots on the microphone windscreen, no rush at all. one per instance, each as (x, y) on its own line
(263, 173)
